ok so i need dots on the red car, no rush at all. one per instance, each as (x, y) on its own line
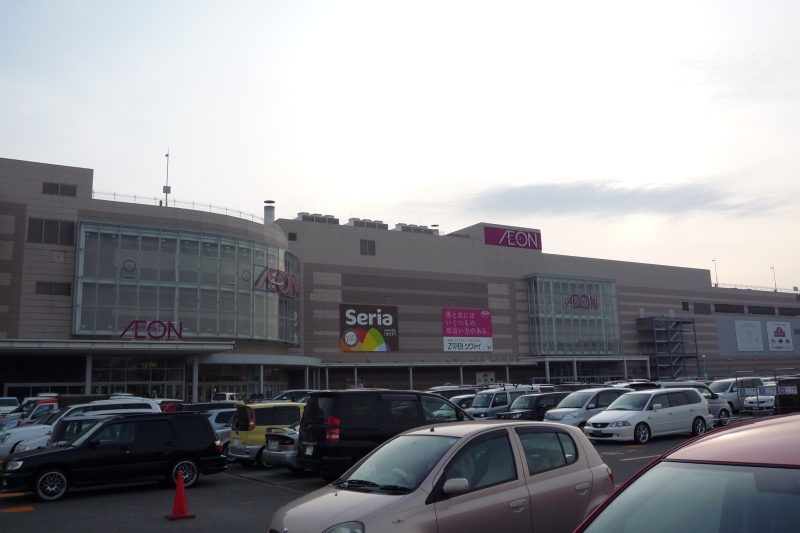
(743, 478)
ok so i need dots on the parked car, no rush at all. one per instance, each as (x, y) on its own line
(720, 409)
(8, 404)
(450, 391)
(577, 408)
(256, 397)
(220, 417)
(250, 424)
(294, 395)
(120, 449)
(532, 406)
(282, 448)
(788, 403)
(226, 397)
(488, 403)
(464, 401)
(63, 429)
(561, 387)
(728, 389)
(340, 427)
(504, 476)
(168, 405)
(11, 438)
(740, 478)
(764, 405)
(637, 385)
(224, 437)
(637, 416)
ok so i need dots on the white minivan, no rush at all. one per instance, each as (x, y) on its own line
(487, 403)
(729, 390)
(640, 415)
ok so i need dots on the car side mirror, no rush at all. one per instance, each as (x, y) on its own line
(455, 486)
(94, 443)
(591, 406)
(656, 406)
(714, 396)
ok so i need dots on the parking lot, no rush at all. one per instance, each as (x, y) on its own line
(241, 498)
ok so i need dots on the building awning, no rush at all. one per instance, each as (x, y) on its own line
(121, 348)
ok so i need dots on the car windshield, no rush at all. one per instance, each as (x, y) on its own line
(744, 499)
(50, 418)
(575, 400)
(483, 399)
(81, 437)
(524, 402)
(8, 402)
(400, 465)
(629, 402)
(719, 386)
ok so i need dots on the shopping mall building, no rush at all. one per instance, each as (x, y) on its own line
(124, 294)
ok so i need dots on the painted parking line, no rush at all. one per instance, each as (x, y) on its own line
(642, 457)
(634, 446)
(12, 495)
(23, 509)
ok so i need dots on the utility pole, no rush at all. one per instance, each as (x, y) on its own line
(716, 278)
(166, 187)
(774, 278)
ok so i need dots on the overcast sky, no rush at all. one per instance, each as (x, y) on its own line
(641, 131)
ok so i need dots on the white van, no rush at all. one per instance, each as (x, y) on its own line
(728, 389)
(227, 397)
(487, 403)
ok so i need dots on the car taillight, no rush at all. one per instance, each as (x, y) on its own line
(610, 474)
(332, 433)
(218, 447)
(251, 420)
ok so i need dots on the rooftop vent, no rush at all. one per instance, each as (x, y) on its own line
(317, 217)
(367, 223)
(413, 228)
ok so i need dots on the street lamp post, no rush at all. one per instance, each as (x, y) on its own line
(776, 403)
(716, 277)
(774, 278)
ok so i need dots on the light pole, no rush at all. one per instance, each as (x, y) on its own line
(774, 278)
(166, 187)
(776, 403)
(716, 277)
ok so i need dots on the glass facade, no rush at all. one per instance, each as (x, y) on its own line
(213, 285)
(570, 316)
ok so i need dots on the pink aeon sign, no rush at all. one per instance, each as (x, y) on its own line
(514, 238)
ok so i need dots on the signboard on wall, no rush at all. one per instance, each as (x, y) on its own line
(467, 330)
(748, 336)
(484, 378)
(779, 336)
(513, 238)
(368, 328)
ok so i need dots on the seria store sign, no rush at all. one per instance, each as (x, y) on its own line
(154, 329)
(512, 238)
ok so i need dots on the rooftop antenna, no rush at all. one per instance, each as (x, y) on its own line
(167, 190)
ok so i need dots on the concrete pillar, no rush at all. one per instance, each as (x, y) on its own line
(88, 373)
(461, 373)
(547, 370)
(625, 368)
(508, 375)
(647, 366)
(262, 378)
(575, 368)
(327, 380)
(355, 377)
(411, 378)
(195, 377)
(306, 377)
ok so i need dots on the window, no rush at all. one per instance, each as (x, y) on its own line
(154, 432)
(54, 289)
(685, 306)
(500, 399)
(760, 310)
(662, 399)
(789, 311)
(360, 406)
(438, 410)
(51, 231)
(728, 308)
(604, 399)
(59, 189)
(116, 434)
(546, 450)
(483, 463)
(292, 236)
(676, 399)
(367, 247)
(702, 309)
(399, 409)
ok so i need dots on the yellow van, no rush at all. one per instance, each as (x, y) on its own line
(250, 424)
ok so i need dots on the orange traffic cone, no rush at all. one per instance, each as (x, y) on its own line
(180, 511)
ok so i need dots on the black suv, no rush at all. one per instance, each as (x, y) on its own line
(533, 406)
(120, 449)
(340, 427)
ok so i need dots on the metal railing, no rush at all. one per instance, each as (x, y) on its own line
(753, 288)
(196, 206)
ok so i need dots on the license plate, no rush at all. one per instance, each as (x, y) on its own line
(597, 433)
(237, 441)
(273, 445)
(309, 450)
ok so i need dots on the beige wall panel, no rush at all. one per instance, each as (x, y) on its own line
(327, 278)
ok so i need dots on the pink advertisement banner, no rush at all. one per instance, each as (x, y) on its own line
(466, 322)
(532, 240)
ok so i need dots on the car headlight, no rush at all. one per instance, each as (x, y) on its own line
(571, 415)
(13, 465)
(347, 527)
(21, 448)
(619, 424)
(516, 415)
(4, 437)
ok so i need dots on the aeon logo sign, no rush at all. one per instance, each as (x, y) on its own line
(582, 301)
(532, 240)
(274, 280)
(155, 329)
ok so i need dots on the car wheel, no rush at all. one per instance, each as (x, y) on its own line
(51, 485)
(261, 463)
(226, 451)
(698, 427)
(724, 417)
(641, 433)
(188, 468)
(296, 469)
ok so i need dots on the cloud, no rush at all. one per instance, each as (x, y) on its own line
(610, 198)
